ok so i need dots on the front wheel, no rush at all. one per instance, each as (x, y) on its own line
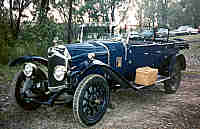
(91, 100)
(172, 85)
(23, 91)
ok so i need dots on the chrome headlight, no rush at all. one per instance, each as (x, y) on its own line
(59, 72)
(28, 69)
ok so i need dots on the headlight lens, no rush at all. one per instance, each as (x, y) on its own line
(28, 69)
(59, 72)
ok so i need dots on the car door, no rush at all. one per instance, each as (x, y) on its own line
(143, 56)
(138, 55)
(155, 52)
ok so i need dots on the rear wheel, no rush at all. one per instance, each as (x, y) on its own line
(173, 83)
(91, 100)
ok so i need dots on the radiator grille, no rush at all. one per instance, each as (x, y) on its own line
(52, 63)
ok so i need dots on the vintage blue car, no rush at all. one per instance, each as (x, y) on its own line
(83, 74)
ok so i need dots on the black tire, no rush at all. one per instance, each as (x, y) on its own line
(173, 83)
(19, 97)
(91, 100)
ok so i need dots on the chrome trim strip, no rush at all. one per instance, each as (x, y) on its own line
(106, 49)
(57, 88)
(98, 62)
(152, 44)
(126, 50)
(162, 80)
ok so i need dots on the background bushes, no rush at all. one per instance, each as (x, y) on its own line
(5, 38)
(34, 39)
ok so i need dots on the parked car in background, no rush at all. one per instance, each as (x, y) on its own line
(182, 30)
(135, 36)
(116, 37)
(162, 32)
(191, 30)
(172, 33)
(148, 34)
(199, 29)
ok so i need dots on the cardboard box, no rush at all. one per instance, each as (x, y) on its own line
(146, 76)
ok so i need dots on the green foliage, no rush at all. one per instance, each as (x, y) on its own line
(6, 73)
(41, 36)
(34, 39)
(97, 9)
(5, 41)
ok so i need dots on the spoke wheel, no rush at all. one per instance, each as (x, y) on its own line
(91, 100)
(172, 85)
(21, 97)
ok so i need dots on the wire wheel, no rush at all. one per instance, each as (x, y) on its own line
(173, 84)
(22, 93)
(91, 100)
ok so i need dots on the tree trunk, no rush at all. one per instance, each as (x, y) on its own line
(70, 22)
(112, 18)
(11, 17)
(20, 10)
(164, 14)
(166, 9)
(44, 8)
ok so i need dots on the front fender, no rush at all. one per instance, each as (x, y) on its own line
(24, 59)
(97, 65)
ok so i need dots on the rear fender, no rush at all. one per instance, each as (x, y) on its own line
(32, 59)
(178, 58)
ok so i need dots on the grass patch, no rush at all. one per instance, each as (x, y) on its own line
(191, 72)
(189, 37)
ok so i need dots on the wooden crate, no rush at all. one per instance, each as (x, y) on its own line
(146, 76)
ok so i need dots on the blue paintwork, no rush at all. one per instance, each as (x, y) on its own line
(138, 55)
(79, 52)
(133, 55)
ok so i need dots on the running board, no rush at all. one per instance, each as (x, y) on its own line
(159, 80)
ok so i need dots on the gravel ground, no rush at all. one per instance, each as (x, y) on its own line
(192, 55)
(153, 109)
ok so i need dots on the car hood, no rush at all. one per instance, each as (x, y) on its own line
(103, 50)
(79, 51)
(84, 48)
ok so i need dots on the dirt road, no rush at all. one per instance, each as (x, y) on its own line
(152, 109)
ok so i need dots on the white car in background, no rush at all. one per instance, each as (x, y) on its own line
(183, 30)
(116, 37)
(134, 35)
(162, 32)
(192, 30)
